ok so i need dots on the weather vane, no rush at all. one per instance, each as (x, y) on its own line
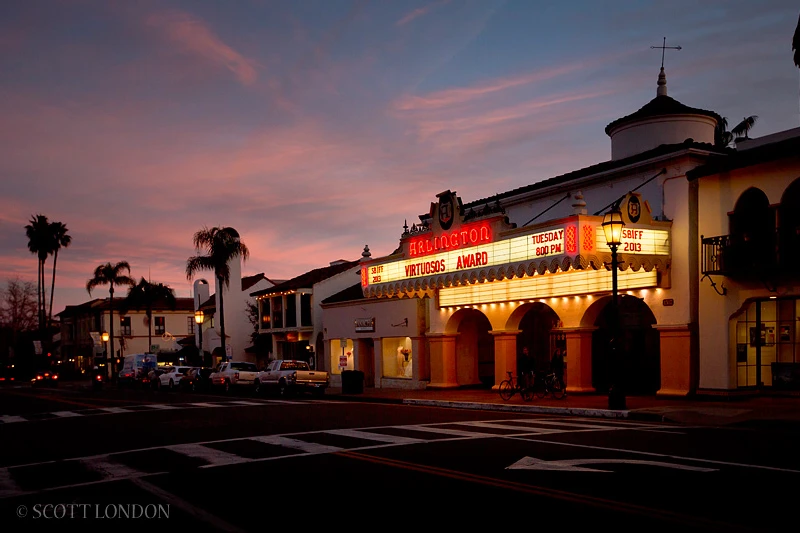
(663, 49)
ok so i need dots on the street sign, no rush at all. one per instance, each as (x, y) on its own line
(343, 361)
(229, 351)
(574, 465)
(37, 347)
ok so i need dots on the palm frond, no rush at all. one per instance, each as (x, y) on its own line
(796, 43)
(742, 128)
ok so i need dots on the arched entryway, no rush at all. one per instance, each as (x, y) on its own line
(474, 347)
(789, 227)
(639, 369)
(537, 322)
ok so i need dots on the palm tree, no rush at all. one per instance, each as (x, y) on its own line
(743, 128)
(145, 294)
(722, 137)
(110, 275)
(60, 239)
(221, 244)
(39, 243)
(796, 44)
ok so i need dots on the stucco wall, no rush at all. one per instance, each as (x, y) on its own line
(717, 197)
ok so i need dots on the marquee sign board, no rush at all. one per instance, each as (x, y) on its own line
(491, 242)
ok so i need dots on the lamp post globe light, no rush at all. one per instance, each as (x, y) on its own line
(104, 336)
(198, 318)
(612, 228)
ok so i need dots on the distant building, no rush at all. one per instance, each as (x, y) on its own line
(290, 314)
(239, 329)
(82, 326)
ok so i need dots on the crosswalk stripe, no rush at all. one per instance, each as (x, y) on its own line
(519, 429)
(110, 469)
(245, 402)
(114, 410)
(366, 435)
(163, 407)
(568, 424)
(307, 447)
(205, 404)
(66, 414)
(210, 455)
(447, 431)
(8, 486)
(8, 419)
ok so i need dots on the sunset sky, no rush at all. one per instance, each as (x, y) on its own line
(317, 127)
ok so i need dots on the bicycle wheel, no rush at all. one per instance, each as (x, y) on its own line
(557, 389)
(527, 394)
(539, 388)
(506, 390)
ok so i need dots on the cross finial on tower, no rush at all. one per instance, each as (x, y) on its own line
(663, 49)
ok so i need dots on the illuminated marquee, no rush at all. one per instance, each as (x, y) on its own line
(638, 241)
(516, 249)
(466, 235)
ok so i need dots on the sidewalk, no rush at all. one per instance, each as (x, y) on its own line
(751, 411)
(738, 411)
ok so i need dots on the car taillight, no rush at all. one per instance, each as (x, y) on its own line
(99, 377)
(55, 376)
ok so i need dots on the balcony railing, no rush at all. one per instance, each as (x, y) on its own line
(739, 257)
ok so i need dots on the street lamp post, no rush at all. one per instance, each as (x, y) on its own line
(198, 318)
(104, 336)
(612, 227)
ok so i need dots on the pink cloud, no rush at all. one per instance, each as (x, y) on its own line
(194, 36)
(461, 95)
(419, 12)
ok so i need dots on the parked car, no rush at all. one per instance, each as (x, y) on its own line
(45, 378)
(171, 377)
(152, 376)
(8, 374)
(289, 376)
(136, 368)
(234, 374)
(196, 380)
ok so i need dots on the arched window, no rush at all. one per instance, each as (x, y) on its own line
(752, 228)
(789, 227)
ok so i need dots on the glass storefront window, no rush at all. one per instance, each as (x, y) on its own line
(291, 311)
(277, 312)
(266, 314)
(341, 352)
(766, 333)
(397, 357)
(305, 310)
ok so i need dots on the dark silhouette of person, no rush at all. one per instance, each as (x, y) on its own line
(524, 367)
(557, 365)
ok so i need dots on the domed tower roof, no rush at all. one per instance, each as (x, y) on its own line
(663, 120)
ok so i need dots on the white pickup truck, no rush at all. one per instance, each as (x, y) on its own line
(289, 376)
(234, 374)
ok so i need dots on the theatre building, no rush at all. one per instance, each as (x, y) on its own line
(530, 267)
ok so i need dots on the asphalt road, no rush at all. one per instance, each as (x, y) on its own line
(156, 461)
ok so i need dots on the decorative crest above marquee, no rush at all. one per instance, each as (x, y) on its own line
(635, 210)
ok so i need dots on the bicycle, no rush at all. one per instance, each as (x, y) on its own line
(549, 384)
(509, 387)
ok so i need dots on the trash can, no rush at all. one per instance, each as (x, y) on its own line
(352, 382)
